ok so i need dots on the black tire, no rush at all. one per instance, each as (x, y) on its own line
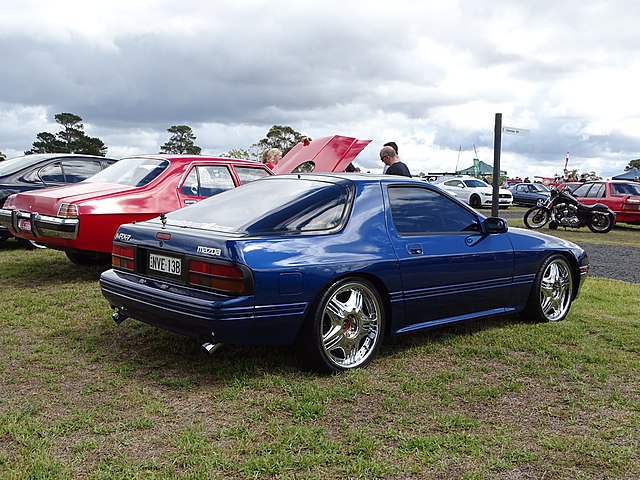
(601, 222)
(345, 327)
(536, 217)
(552, 291)
(88, 259)
(474, 201)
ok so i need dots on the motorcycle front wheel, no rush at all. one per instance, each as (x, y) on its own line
(601, 222)
(536, 217)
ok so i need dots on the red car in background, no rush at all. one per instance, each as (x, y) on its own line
(82, 219)
(621, 196)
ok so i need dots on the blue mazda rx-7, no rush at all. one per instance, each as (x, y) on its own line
(334, 262)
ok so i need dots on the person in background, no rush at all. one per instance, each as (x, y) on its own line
(394, 166)
(271, 157)
(526, 180)
(393, 145)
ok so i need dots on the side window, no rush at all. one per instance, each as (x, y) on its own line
(248, 174)
(597, 190)
(582, 190)
(190, 185)
(418, 211)
(52, 173)
(78, 170)
(206, 181)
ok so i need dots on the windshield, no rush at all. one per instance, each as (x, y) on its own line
(538, 187)
(475, 183)
(12, 165)
(270, 205)
(134, 172)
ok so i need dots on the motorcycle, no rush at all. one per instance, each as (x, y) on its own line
(564, 210)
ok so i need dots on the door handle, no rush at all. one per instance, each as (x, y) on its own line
(414, 248)
(190, 202)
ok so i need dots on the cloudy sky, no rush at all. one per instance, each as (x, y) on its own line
(429, 75)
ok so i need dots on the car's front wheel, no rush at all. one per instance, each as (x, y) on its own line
(88, 259)
(474, 201)
(552, 291)
(345, 327)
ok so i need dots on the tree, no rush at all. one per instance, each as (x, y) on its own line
(632, 163)
(71, 139)
(236, 153)
(281, 137)
(181, 141)
(47, 143)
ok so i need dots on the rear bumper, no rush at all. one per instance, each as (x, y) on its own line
(628, 216)
(200, 314)
(38, 226)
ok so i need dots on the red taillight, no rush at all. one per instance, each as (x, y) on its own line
(225, 278)
(123, 257)
(68, 210)
(631, 205)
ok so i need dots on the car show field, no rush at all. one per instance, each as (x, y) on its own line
(83, 398)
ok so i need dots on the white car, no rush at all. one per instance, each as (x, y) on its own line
(475, 192)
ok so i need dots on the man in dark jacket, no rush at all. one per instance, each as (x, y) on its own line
(394, 166)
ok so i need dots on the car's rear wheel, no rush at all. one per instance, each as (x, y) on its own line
(552, 291)
(474, 201)
(540, 202)
(88, 259)
(345, 327)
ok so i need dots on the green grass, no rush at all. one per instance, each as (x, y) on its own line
(82, 397)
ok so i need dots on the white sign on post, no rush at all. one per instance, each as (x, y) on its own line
(515, 131)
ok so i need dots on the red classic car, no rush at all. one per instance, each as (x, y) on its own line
(621, 196)
(82, 219)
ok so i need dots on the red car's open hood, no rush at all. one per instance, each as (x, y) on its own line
(326, 154)
(47, 200)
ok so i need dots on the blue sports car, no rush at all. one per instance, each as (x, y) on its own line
(334, 262)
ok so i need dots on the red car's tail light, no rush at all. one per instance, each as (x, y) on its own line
(226, 278)
(633, 205)
(123, 257)
(68, 210)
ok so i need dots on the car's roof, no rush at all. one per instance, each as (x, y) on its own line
(185, 158)
(355, 177)
(11, 166)
(601, 181)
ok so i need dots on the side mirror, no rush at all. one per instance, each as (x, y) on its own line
(495, 225)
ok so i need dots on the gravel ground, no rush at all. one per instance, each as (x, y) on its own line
(613, 261)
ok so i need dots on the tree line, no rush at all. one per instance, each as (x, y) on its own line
(72, 139)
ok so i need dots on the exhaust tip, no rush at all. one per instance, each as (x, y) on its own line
(119, 317)
(210, 348)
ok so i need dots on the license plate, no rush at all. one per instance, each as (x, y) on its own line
(24, 225)
(164, 264)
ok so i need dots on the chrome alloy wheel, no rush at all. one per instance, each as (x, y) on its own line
(556, 286)
(351, 325)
